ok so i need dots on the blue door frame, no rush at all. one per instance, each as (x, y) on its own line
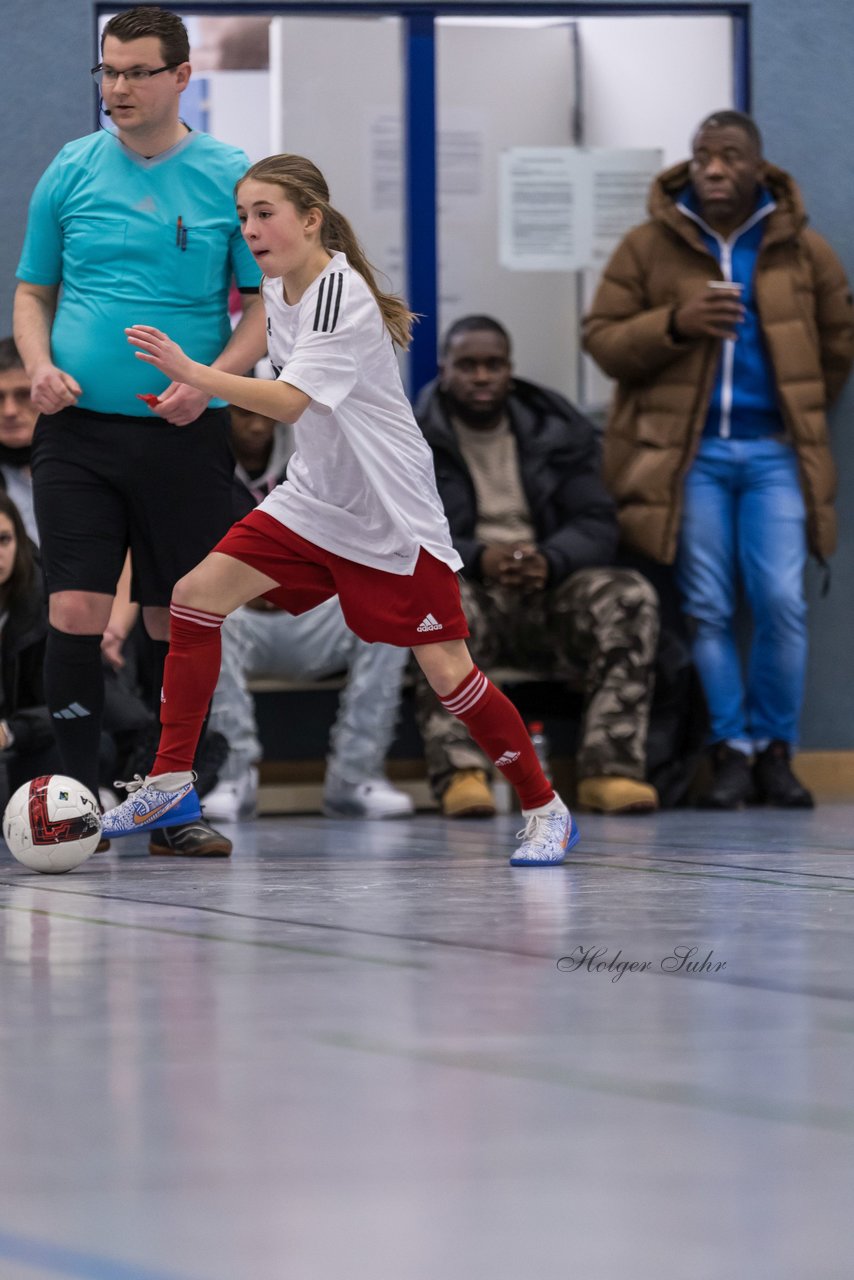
(420, 197)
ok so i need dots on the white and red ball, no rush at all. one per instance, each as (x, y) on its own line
(52, 823)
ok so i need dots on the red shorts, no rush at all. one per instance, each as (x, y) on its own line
(402, 609)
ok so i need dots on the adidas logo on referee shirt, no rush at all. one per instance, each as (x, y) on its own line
(429, 624)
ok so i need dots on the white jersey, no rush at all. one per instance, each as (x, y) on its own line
(361, 482)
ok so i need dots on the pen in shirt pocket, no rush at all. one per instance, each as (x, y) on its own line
(180, 234)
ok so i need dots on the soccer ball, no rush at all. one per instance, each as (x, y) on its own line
(52, 823)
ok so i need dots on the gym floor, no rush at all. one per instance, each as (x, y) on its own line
(375, 1050)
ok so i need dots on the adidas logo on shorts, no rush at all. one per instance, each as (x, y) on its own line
(429, 624)
(507, 758)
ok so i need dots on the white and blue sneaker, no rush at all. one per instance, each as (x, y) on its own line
(150, 804)
(547, 839)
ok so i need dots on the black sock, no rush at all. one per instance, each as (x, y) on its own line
(157, 651)
(74, 690)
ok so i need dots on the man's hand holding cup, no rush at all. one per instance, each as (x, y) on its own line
(715, 313)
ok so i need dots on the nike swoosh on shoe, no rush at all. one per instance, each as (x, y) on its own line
(140, 819)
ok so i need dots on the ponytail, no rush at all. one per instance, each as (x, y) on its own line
(305, 186)
(339, 237)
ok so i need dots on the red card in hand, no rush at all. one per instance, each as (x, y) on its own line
(150, 400)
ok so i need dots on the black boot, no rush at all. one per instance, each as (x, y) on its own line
(775, 783)
(732, 783)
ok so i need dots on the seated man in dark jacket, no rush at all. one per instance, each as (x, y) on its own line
(518, 470)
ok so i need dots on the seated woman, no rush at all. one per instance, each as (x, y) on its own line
(27, 746)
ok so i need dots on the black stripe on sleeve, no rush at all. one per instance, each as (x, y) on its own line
(337, 301)
(319, 303)
(331, 284)
(328, 303)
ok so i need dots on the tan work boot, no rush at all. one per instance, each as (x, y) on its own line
(468, 795)
(616, 795)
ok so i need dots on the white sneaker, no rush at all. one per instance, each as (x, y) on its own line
(547, 838)
(231, 800)
(376, 798)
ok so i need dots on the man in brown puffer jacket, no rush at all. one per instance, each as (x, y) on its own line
(729, 328)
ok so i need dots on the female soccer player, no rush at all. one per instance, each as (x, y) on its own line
(358, 515)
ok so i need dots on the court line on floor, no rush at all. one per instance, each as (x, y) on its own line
(816, 1115)
(215, 937)
(453, 944)
(72, 1262)
(734, 866)
(321, 925)
(698, 870)
(660, 847)
(761, 875)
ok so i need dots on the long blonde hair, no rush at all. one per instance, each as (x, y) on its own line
(305, 186)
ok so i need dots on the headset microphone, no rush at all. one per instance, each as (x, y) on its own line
(102, 108)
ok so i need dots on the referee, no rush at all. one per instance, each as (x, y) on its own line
(136, 226)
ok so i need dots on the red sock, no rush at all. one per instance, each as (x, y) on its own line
(497, 728)
(189, 678)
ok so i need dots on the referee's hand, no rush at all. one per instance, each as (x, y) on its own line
(112, 644)
(181, 404)
(51, 389)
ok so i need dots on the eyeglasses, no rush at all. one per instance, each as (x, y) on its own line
(136, 75)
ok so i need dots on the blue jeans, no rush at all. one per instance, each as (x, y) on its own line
(745, 521)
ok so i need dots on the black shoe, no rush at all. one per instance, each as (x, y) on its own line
(190, 840)
(775, 783)
(732, 783)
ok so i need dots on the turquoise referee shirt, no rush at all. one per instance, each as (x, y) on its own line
(136, 241)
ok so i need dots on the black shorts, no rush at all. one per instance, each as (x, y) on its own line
(103, 483)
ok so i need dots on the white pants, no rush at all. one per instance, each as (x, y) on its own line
(309, 647)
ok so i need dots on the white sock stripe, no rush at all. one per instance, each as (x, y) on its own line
(473, 700)
(199, 622)
(199, 613)
(476, 679)
(197, 616)
(468, 696)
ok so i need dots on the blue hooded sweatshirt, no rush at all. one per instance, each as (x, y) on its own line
(744, 399)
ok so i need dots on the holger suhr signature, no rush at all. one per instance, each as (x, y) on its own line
(682, 959)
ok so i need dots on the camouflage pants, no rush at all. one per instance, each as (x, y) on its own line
(597, 632)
